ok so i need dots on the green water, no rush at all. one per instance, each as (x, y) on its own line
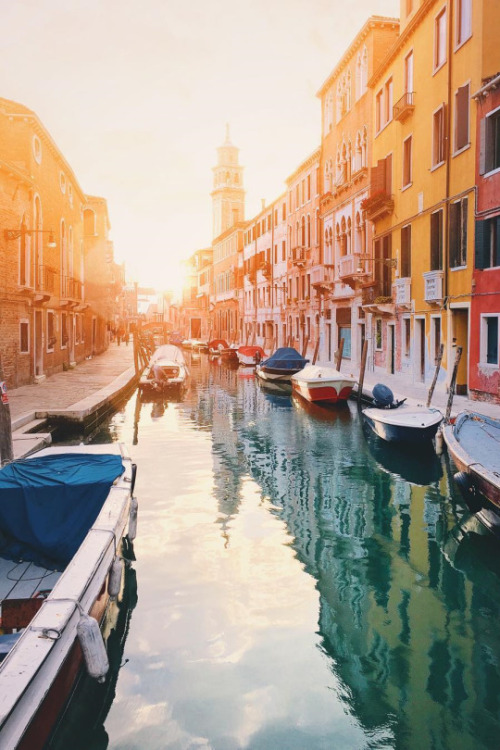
(300, 585)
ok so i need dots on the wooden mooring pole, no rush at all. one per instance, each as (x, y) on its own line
(316, 352)
(364, 355)
(6, 450)
(436, 373)
(339, 354)
(453, 383)
(306, 344)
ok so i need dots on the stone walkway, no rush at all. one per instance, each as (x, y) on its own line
(64, 389)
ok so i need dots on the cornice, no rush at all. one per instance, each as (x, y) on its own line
(308, 162)
(402, 40)
(372, 23)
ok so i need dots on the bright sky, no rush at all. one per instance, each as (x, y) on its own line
(136, 94)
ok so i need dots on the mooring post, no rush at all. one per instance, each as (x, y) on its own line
(6, 450)
(306, 344)
(316, 352)
(453, 381)
(436, 373)
(364, 354)
(339, 354)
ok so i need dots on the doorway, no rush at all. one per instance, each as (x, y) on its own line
(420, 349)
(460, 333)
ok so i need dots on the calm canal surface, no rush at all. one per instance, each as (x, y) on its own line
(299, 586)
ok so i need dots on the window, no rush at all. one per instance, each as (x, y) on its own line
(378, 334)
(24, 259)
(388, 101)
(438, 136)
(283, 250)
(464, 21)
(51, 334)
(487, 243)
(440, 40)
(37, 149)
(378, 111)
(24, 340)
(409, 7)
(407, 148)
(64, 330)
(406, 338)
(436, 243)
(283, 211)
(308, 187)
(489, 340)
(462, 117)
(458, 233)
(489, 157)
(409, 73)
(406, 252)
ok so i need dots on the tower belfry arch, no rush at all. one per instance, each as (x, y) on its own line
(228, 194)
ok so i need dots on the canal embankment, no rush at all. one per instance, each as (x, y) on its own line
(75, 397)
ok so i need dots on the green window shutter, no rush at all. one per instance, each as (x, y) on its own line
(481, 244)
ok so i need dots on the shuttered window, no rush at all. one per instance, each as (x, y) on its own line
(406, 252)
(462, 117)
(458, 233)
(487, 243)
(438, 136)
(437, 241)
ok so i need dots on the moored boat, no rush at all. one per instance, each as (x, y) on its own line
(396, 421)
(322, 384)
(281, 365)
(250, 356)
(63, 515)
(473, 442)
(166, 370)
(215, 346)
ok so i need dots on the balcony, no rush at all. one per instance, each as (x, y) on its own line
(404, 107)
(433, 293)
(378, 204)
(71, 291)
(402, 288)
(266, 269)
(352, 269)
(299, 257)
(251, 277)
(374, 299)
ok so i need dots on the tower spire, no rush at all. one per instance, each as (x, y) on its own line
(227, 142)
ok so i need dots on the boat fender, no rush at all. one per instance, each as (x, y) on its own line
(115, 577)
(132, 482)
(94, 650)
(439, 442)
(468, 491)
(132, 521)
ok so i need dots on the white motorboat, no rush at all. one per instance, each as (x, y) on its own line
(63, 515)
(322, 384)
(396, 421)
(166, 370)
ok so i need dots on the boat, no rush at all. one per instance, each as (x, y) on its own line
(166, 370)
(281, 365)
(64, 513)
(250, 356)
(215, 346)
(398, 421)
(473, 442)
(322, 384)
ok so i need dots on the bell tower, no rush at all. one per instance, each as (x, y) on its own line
(228, 195)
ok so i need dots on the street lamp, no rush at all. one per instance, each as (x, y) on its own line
(15, 234)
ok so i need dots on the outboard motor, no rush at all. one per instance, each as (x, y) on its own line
(383, 397)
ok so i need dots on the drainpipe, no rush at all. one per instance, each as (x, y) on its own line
(446, 223)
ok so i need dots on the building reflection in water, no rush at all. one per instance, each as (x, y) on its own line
(409, 603)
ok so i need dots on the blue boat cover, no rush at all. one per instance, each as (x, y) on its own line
(49, 503)
(285, 358)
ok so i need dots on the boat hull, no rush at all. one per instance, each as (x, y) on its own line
(400, 433)
(38, 674)
(482, 490)
(326, 393)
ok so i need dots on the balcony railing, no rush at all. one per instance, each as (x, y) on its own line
(404, 106)
(298, 256)
(71, 288)
(46, 279)
(402, 289)
(377, 293)
(433, 281)
(378, 204)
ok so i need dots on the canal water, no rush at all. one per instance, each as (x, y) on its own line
(297, 585)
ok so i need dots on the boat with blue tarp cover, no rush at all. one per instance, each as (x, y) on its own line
(285, 362)
(64, 513)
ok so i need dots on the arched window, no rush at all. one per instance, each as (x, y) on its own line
(348, 91)
(308, 230)
(339, 102)
(89, 222)
(303, 232)
(37, 243)
(363, 71)
(348, 241)
(364, 145)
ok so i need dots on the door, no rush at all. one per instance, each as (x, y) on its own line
(419, 362)
(460, 327)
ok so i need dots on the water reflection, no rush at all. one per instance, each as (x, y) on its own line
(304, 584)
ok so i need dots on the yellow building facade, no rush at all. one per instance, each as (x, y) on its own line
(422, 186)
